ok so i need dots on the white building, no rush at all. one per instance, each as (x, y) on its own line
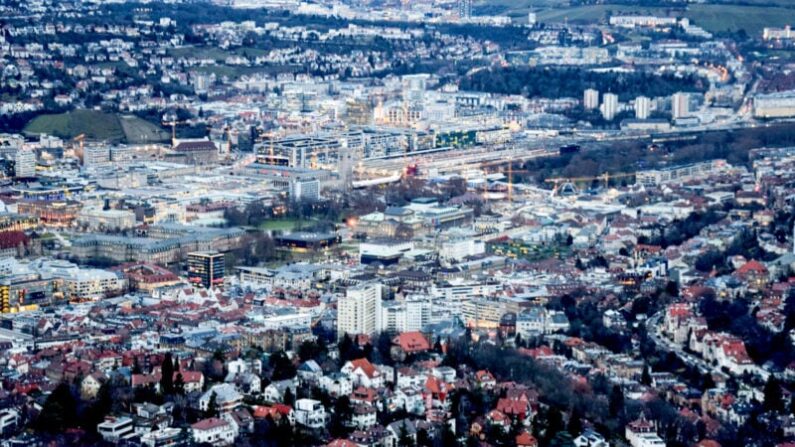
(642, 107)
(24, 163)
(9, 418)
(305, 190)
(643, 433)
(680, 105)
(226, 398)
(359, 311)
(457, 250)
(336, 384)
(85, 282)
(590, 99)
(785, 33)
(632, 21)
(116, 429)
(410, 314)
(95, 155)
(310, 413)
(214, 431)
(775, 105)
(609, 106)
(95, 218)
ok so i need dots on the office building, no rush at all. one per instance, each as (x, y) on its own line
(305, 190)
(359, 311)
(24, 163)
(642, 107)
(95, 155)
(590, 99)
(609, 106)
(206, 268)
(775, 105)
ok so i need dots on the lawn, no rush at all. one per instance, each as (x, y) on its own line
(94, 124)
(281, 224)
(721, 18)
(137, 130)
(97, 126)
(712, 17)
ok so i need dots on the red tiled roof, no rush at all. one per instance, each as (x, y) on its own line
(412, 342)
(367, 368)
(525, 439)
(209, 424)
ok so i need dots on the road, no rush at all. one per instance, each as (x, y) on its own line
(653, 328)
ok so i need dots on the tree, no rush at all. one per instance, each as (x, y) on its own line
(616, 401)
(645, 378)
(310, 350)
(288, 398)
(98, 409)
(59, 411)
(212, 406)
(773, 400)
(404, 437)
(339, 416)
(423, 438)
(283, 367)
(167, 375)
(179, 384)
(575, 423)
(562, 439)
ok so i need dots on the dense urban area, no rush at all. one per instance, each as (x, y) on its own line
(397, 223)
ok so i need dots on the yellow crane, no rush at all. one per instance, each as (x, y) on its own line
(80, 153)
(173, 123)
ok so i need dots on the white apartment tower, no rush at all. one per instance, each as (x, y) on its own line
(359, 311)
(642, 107)
(609, 106)
(25, 163)
(590, 99)
(680, 105)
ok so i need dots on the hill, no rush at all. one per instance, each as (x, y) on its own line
(96, 125)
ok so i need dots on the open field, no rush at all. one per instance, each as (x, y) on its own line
(281, 224)
(721, 18)
(725, 16)
(137, 130)
(94, 124)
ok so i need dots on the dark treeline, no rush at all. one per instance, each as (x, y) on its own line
(630, 156)
(570, 82)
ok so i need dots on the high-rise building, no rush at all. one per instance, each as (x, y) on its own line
(24, 163)
(609, 106)
(359, 311)
(590, 99)
(305, 190)
(95, 155)
(642, 107)
(680, 105)
(531, 19)
(206, 268)
(464, 9)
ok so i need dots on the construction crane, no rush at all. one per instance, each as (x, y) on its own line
(229, 130)
(80, 139)
(173, 123)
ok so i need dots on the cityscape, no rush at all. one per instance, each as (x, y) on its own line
(397, 223)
